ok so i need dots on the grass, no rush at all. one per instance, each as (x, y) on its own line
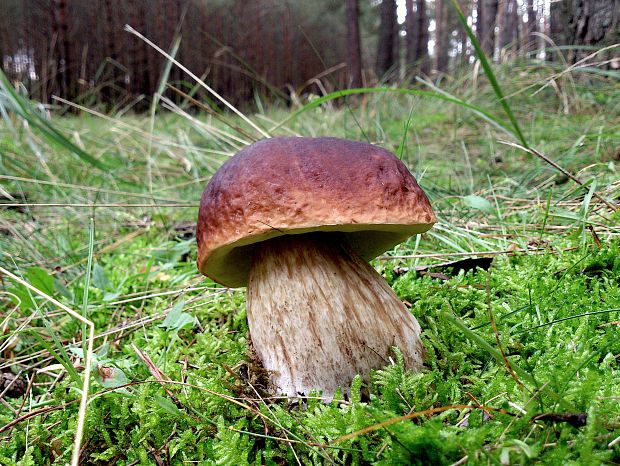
(523, 359)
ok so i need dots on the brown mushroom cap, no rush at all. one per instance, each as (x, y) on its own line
(295, 185)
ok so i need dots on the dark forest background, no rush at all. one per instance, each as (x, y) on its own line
(79, 49)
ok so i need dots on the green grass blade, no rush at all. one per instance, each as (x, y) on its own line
(87, 277)
(377, 90)
(563, 319)
(486, 66)
(62, 357)
(24, 109)
(403, 141)
(161, 87)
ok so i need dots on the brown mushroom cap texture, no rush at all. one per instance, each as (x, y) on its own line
(294, 185)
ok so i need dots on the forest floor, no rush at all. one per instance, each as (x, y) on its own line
(523, 352)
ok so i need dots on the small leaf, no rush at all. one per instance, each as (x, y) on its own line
(40, 279)
(167, 405)
(79, 352)
(565, 214)
(103, 352)
(22, 297)
(63, 290)
(172, 253)
(524, 447)
(504, 456)
(176, 319)
(109, 296)
(100, 279)
(111, 377)
(477, 202)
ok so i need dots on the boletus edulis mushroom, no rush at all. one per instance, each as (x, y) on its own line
(295, 220)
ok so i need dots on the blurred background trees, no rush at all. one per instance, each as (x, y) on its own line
(79, 50)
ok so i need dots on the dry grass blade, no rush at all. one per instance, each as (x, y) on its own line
(569, 68)
(83, 188)
(87, 360)
(227, 121)
(214, 132)
(199, 81)
(134, 129)
(560, 169)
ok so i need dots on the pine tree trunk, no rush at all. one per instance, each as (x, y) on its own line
(288, 48)
(507, 21)
(585, 22)
(513, 24)
(422, 39)
(141, 82)
(411, 34)
(487, 25)
(386, 59)
(529, 39)
(416, 26)
(63, 51)
(109, 94)
(480, 32)
(442, 36)
(354, 50)
(502, 23)
(466, 8)
(396, 45)
(4, 49)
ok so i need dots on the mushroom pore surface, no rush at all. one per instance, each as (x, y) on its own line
(319, 314)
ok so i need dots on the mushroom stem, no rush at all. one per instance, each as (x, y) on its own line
(319, 315)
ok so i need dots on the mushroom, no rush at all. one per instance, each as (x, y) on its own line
(295, 220)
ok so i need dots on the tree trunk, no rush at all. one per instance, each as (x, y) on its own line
(558, 26)
(411, 34)
(141, 82)
(479, 24)
(164, 39)
(62, 51)
(507, 22)
(288, 47)
(502, 19)
(488, 14)
(108, 91)
(176, 21)
(422, 39)
(585, 22)
(514, 19)
(354, 50)
(416, 26)
(529, 39)
(467, 8)
(442, 36)
(4, 46)
(388, 38)
(396, 45)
